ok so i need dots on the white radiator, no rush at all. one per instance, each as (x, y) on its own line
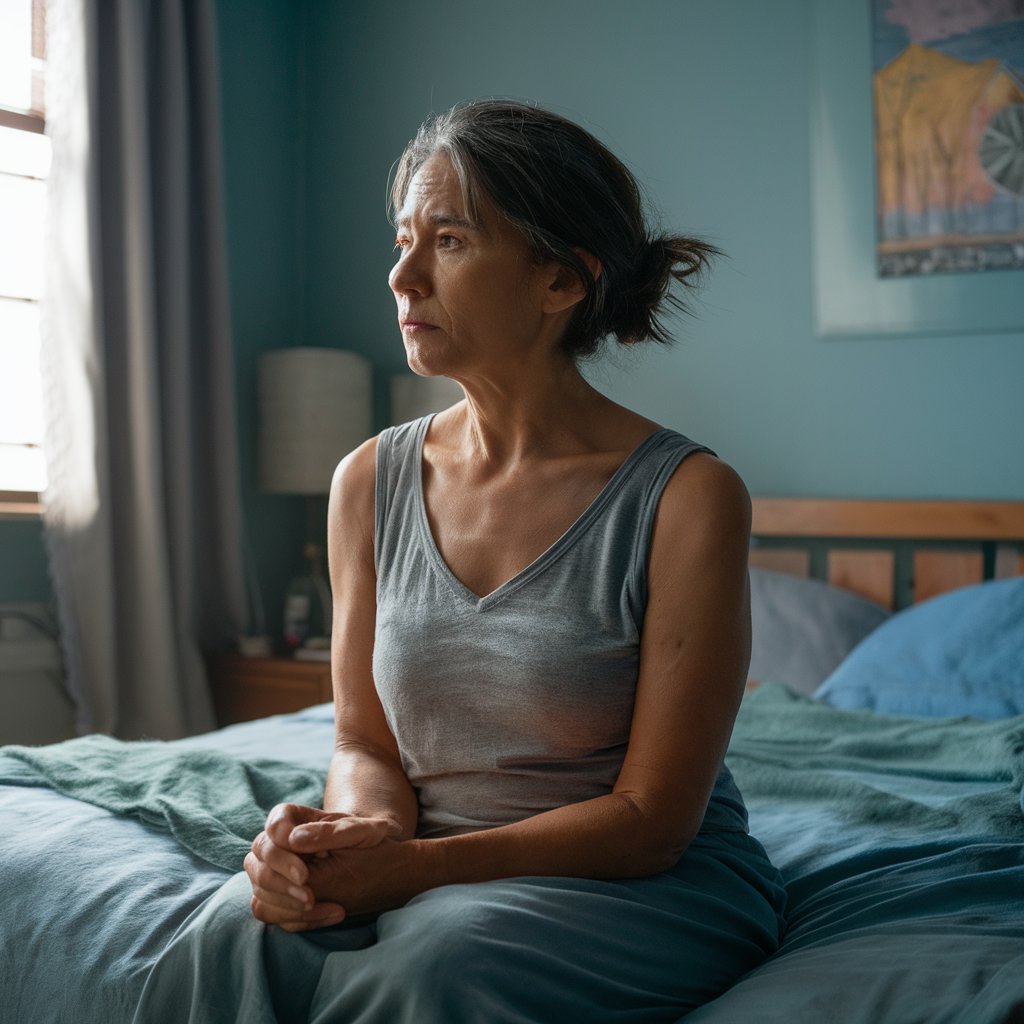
(34, 706)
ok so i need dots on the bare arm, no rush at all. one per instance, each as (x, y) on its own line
(368, 798)
(694, 653)
(366, 777)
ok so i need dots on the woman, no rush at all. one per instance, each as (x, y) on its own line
(541, 627)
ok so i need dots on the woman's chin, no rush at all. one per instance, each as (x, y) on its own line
(427, 362)
(422, 370)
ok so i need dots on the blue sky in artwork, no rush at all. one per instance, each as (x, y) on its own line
(1004, 41)
(889, 39)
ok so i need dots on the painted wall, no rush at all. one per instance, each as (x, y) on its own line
(709, 103)
(264, 126)
(23, 572)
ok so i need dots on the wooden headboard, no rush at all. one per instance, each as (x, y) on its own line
(891, 552)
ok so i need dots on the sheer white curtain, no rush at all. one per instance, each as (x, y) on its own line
(142, 509)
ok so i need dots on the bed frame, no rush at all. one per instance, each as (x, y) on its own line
(892, 552)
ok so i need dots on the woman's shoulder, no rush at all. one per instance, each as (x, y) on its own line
(353, 487)
(706, 497)
(358, 470)
(358, 467)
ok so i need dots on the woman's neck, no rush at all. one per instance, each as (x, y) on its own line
(511, 420)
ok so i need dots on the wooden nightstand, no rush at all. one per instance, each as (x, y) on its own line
(246, 688)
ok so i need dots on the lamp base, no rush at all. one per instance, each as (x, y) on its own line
(254, 646)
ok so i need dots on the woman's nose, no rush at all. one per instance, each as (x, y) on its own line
(408, 276)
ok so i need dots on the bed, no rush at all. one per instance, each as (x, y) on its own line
(880, 748)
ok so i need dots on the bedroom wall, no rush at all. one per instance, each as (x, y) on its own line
(709, 103)
(23, 572)
(264, 126)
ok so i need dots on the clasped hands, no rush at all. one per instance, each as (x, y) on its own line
(311, 868)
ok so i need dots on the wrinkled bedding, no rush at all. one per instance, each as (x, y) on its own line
(902, 845)
(91, 898)
(901, 842)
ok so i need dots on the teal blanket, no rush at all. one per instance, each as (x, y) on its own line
(212, 803)
(957, 777)
(901, 842)
(902, 845)
(943, 777)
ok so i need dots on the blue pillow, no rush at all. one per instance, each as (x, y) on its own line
(961, 653)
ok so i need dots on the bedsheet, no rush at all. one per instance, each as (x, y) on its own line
(90, 898)
(901, 842)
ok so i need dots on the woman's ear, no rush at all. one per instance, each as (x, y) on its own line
(590, 261)
(565, 288)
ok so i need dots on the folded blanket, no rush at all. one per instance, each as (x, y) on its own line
(212, 803)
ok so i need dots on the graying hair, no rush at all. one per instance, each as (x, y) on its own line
(563, 190)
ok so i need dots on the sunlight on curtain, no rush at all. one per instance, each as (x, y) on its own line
(68, 323)
(142, 511)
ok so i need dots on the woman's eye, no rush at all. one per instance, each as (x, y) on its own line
(443, 242)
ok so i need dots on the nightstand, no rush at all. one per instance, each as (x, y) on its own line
(246, 688)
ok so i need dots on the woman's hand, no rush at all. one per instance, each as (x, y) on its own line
(277, 863)
(372, 880)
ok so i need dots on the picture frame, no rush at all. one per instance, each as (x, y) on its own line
(850, 300)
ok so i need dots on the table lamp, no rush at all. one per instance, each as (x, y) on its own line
(315, 407)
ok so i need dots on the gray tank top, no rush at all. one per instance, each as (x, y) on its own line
(520, 701)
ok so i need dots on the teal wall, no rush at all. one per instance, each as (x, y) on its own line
(709, 103)
(264, 133)
(23, 573)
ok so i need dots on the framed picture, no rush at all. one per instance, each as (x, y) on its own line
(850, 299)
(949, 136)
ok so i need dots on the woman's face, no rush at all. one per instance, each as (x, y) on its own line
(470, 297)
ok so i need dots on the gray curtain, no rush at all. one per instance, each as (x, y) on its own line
(142, 510)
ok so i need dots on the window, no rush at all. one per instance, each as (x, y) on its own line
(24, 164)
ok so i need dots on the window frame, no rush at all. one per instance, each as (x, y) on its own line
(19, 504)
(14, 503)
(21, 121)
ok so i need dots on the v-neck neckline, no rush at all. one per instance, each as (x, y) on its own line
(551, 554)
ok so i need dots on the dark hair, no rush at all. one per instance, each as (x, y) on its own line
(563, 189)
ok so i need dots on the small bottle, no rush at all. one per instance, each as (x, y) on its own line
(307, 606)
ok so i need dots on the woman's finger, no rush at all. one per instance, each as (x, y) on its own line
(321, 915)
(278, 859)
(284, 817)
(276, 888)
(270, 913)
(318, 836)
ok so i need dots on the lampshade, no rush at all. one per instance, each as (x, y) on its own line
(413, 396)
(315, 407)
